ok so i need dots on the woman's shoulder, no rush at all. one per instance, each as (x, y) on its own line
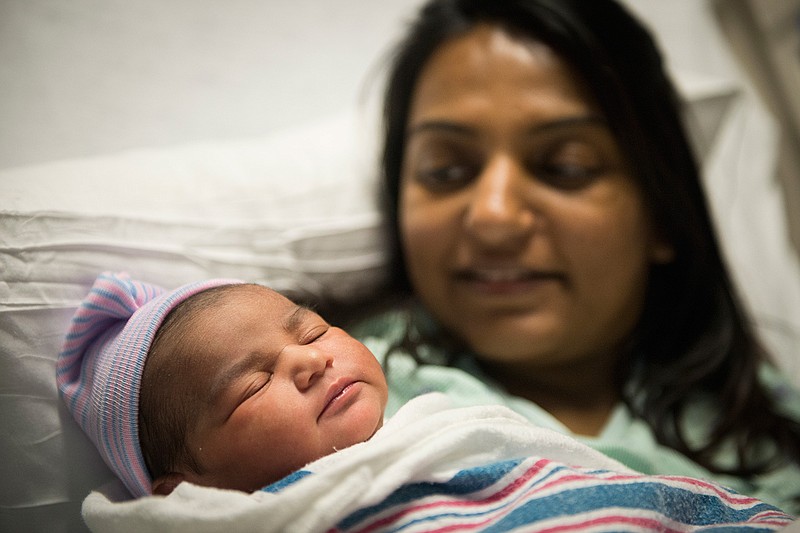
(785, 394)
(390, 324)
(382, 331)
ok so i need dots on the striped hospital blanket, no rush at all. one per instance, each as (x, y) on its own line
(435, 469)
(536, 494)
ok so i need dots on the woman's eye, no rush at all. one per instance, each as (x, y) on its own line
(446, 177)
(571, 166)
(441, 164)
(567, 176)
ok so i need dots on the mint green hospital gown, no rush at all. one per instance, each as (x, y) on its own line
(625, 438)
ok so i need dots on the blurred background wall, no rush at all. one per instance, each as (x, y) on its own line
(86, 77)
(81, 78)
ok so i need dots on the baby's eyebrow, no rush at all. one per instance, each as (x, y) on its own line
(228, 375)
(294, 320)
(291, 323)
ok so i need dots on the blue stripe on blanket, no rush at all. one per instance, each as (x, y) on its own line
(285, 482)
(649, 497)
(464, 482)
(682, 506)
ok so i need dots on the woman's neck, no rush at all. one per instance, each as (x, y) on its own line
(581, 398)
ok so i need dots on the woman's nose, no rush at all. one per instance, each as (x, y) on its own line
(306, 364)
(498, 214)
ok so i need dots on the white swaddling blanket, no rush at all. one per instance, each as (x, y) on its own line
(423, 444)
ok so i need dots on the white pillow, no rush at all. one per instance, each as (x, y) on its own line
(737, 141)
(295, 211)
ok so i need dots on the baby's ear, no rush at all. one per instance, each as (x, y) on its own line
(165, 484)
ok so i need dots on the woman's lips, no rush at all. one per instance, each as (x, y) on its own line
(494, 280)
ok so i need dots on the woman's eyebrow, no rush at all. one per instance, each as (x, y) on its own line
(450, 126)
(442, 126)
(578, 121)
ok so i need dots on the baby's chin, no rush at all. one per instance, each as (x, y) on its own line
(357, 424)
(367, 424)
(370, 427)
(378, 426)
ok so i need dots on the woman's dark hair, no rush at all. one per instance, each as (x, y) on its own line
(693, 341)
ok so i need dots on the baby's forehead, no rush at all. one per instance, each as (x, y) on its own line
(227, 318)
(238, 304)
(251, 291)
(227, 304)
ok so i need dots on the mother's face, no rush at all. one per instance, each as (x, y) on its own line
(523, 231)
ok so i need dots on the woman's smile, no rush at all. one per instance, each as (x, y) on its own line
(505, 281)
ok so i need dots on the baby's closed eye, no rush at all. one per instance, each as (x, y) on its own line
(259, 382)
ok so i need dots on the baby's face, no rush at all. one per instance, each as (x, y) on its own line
(283, 388)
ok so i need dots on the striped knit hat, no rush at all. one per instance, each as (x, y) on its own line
(99, 369)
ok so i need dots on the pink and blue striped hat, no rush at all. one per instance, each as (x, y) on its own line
(99, 369)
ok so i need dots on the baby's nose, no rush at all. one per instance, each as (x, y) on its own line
(307, 364)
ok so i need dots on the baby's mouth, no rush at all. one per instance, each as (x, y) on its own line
(337, 392)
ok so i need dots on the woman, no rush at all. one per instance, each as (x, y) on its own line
(551, 236)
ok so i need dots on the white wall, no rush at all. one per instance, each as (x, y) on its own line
(87, 77)
(84, 77)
